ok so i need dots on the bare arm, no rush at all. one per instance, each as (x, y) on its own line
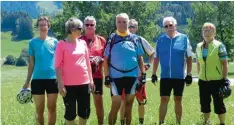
(225, 67)
(30, 71)
(141, 64)
(189, 64)
(151, 58)
(155, 65)
(106, 66)
(198, 67)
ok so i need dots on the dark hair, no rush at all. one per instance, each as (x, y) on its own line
(43, 18)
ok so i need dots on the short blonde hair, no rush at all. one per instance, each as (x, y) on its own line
(210, 26)
(170, 18)
(124, 15)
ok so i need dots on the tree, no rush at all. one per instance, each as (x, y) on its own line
(105, 12)
(24, 29)
(219, 13)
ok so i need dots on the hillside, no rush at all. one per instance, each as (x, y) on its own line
(33, 8)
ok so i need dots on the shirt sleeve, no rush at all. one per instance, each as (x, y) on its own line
(222, 52)
(31, 51)
(156, 54)
(59, 55)
(189, 49)
(147, 47)
(140, 51)
(55, 43)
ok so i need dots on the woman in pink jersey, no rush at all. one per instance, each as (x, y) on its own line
(74, 73)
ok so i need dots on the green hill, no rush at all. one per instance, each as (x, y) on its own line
(9, 47)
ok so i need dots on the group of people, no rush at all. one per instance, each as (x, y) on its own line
(73, 67)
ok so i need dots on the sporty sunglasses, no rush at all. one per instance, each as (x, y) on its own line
(87, 25)
(168, 26)
(132, 26)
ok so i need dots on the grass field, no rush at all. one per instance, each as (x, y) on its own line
(14, 113)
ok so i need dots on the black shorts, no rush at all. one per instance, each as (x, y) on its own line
(99, 85)
(128, 84)
(39, 86)
(77, 96)
(208, 89)
(167, 84)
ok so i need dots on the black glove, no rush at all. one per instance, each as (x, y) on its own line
(138, 86)
(154, 78)
(107, 80)
(188, 79)
(226, 82)
(96, 59)
(147, 66)
(142, 78)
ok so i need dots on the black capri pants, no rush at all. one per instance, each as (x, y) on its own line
(77, 101)
(208, 89)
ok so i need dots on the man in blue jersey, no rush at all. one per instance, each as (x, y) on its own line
(122, 59)
(172, 51)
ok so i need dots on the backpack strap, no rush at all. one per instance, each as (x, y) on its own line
(112, 42)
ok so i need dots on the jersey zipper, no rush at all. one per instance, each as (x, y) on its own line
(170, 58)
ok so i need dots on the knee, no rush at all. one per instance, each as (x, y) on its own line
(40, 110)
(178, 100)
(164, 100)
(84, 113)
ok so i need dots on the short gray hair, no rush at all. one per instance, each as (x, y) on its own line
(124, 15)
(90, 18)
(133, 21)
(170, 18)
(73, 24)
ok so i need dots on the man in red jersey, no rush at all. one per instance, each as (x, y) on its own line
(96, 45)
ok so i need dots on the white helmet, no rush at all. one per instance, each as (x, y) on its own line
(24, 96)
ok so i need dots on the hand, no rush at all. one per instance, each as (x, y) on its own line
(107, 82)
(154, 79)
(226, 82)
(147, 66)
(188, 80)
(62, 90)
(92, 87)
(26, 85)
(142, 78)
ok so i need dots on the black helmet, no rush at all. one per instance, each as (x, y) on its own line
(225, 91)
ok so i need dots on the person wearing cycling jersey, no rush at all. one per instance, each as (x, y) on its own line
(212, 67)
(172, 51)
(122, 58)
(96, 45)
(141, 92)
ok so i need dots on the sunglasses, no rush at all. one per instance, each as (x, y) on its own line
(79, 29)
(87, 25)
(168, 26)
(132, 27)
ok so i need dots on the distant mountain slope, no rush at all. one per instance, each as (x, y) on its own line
(33, 8)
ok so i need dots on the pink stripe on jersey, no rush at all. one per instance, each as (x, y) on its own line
(73, 59)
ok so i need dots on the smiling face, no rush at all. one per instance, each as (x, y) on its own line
(132, 27)
(43, 26)
(122, 24)
(90, 27)
(169, 27)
